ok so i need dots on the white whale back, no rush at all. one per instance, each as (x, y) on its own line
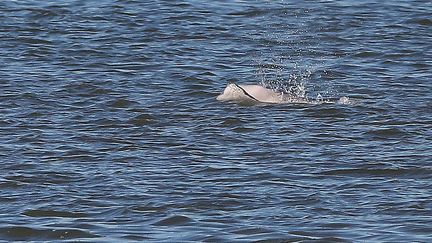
(263, 94)
(249, 93)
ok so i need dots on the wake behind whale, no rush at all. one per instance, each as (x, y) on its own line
(257, 94)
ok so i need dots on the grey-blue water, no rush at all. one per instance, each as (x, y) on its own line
(110, 130)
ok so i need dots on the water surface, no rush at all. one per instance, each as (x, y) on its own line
(110, 130)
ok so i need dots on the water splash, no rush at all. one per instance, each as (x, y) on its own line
(276, 75)
(288, 61)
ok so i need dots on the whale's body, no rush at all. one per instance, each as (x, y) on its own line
(255, 94)
(249, 93)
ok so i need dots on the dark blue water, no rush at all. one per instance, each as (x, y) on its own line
(110, 130)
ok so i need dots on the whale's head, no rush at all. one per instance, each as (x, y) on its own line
(228, 93)
(237, 93)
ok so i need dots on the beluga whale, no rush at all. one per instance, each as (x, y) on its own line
(255, 94)
(258, 94)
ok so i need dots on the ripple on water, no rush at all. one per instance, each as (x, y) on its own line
(423, 21)
(230, 121)
(142, 119)
(44, 177)
(37, 213)
(386, 133)
(380, 172)
(23, 233)
(121, 103)
(174, 220)
(10, 184)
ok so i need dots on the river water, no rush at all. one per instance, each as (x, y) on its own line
(111, 132)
